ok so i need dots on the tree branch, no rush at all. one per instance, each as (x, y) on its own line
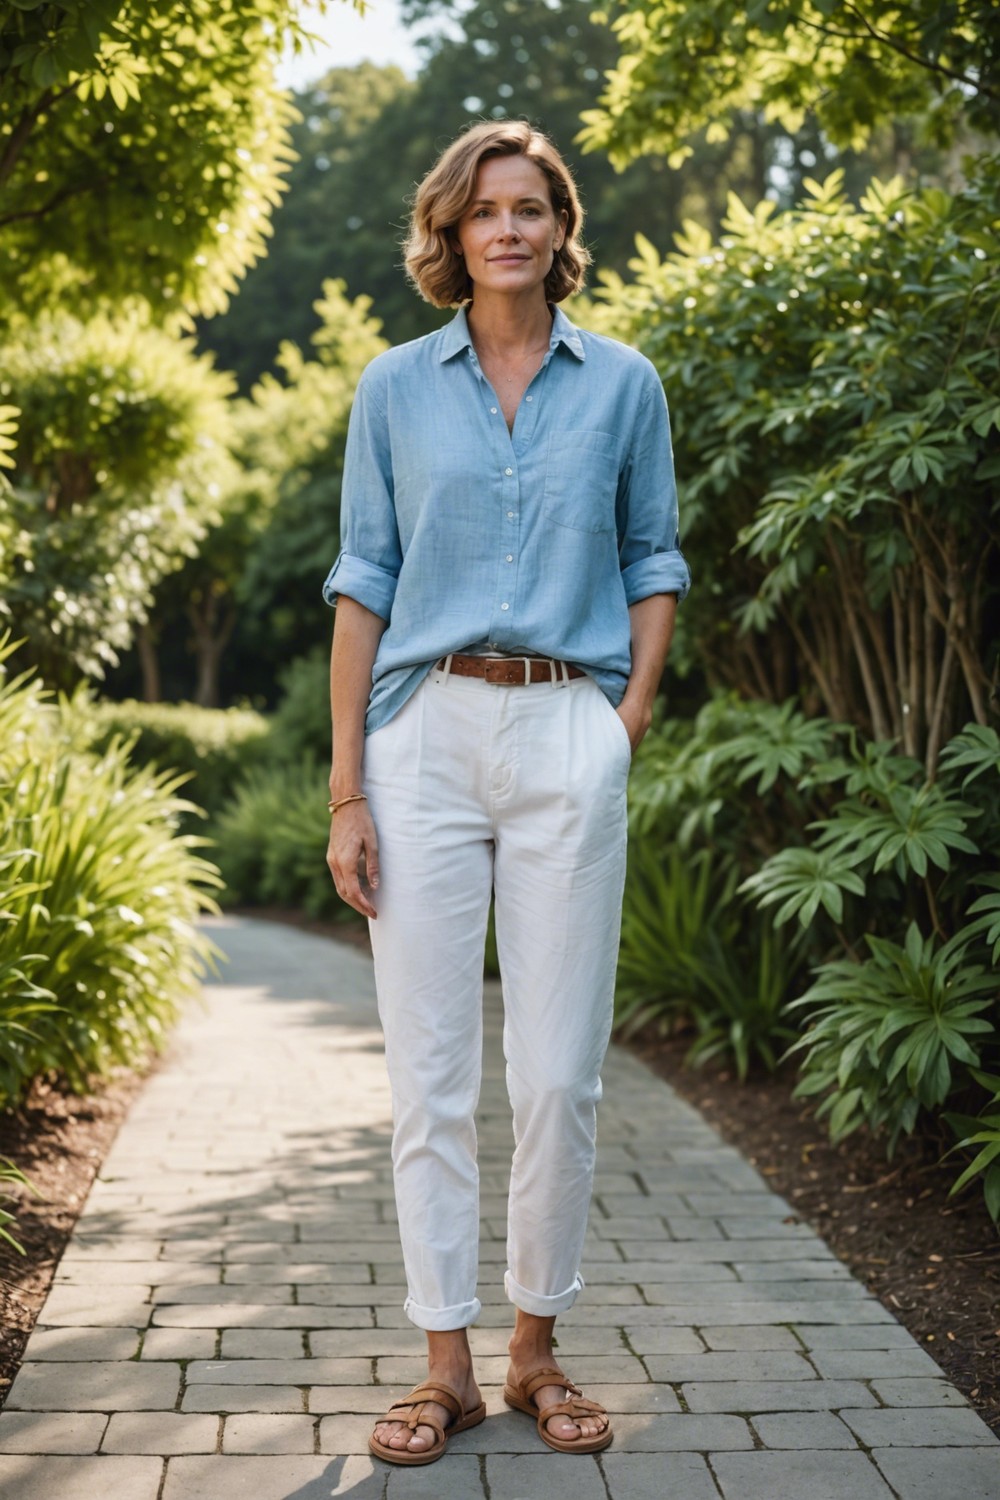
(935, 738)
(834, 703)
(22, 130)
(19, 137)
(885, 39)
(70, 191)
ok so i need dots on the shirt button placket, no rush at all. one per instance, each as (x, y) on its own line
(508, 556)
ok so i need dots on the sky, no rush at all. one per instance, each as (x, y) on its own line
(349, 38)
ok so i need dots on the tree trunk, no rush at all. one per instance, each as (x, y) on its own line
(213, 624)
(149, 664)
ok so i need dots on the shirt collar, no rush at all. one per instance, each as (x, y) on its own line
(455, 335)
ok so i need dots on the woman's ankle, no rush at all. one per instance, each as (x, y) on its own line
(531, 1341)
(449, 1357)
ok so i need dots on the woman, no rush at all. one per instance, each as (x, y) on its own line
(506, 594)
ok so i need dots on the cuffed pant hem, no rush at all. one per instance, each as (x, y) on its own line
(537, 1305)
(442, 1319)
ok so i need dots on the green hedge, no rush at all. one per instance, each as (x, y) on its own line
(212, 746)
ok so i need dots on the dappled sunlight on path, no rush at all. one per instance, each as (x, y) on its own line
(227, 1319)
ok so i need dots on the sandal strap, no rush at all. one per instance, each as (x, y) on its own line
(418, 1398)
(549, 1376)
(577, 1406)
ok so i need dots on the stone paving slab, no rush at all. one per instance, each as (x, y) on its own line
(936, 1473)
(816, 1475)
(795, 1429)
(51, 1432)
(160, 1432)
(227, 1318)
(273, 1477)
(43, 1477)
(645, 1476)
(253, 1433)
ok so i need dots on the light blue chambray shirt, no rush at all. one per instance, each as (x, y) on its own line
(464, 536)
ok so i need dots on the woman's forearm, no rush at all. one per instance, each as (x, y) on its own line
(652, 622)
(357, 632)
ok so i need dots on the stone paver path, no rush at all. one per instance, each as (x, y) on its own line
(227, 1318)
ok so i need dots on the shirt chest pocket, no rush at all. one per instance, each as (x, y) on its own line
(581, 480)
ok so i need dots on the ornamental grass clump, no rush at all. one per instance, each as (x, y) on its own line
(99, 898)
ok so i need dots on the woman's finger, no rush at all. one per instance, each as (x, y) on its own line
(371, 860)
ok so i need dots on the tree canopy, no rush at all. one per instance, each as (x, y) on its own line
(366, 136)
(686, 67)
(141, 148)
(256, 572)
(142, 144)
(120, 466)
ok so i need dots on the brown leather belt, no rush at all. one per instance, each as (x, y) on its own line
(510, 671)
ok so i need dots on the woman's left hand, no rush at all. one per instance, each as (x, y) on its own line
(637, 719)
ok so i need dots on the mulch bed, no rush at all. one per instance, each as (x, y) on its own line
(933, 1261)
(59, 1140)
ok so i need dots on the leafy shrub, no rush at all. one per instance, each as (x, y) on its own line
(887, 1034)
(708, 799)
(211, 746)
(831, 371)
(101, 893)
(300, 725)
(982, 1131)
(763, 841)
(903, 1010)
(271, 841)
(693, 952)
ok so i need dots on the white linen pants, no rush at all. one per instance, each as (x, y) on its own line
(474, 789)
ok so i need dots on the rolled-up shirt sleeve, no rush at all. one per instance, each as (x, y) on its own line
(649, 542)
(367, 568)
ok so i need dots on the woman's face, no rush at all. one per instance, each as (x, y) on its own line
(510, 233)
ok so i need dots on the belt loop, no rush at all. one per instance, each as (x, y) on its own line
(447, 666)
(527, 671)
(552, 671)
(564, 669)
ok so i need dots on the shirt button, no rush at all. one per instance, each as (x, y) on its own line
(510, 557)
(505, 606)
(529, 398)
(508, 471)
(493, 410)
(510, 515)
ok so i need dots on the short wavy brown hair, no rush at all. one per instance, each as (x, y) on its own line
(433, 265)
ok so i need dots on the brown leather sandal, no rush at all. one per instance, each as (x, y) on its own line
(520, 1397)
(411, 1411)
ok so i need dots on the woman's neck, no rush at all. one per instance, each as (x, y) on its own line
(509, 326)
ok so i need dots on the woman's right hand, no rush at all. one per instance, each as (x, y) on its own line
(352, 856)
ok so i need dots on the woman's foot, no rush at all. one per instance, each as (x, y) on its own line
(530, 1349)
(450, 1362)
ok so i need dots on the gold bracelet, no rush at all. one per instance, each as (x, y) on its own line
(355, 797)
